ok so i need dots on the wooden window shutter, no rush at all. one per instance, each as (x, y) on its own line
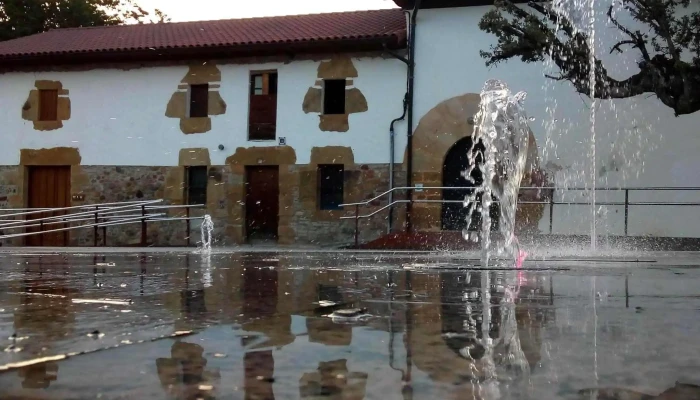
(48, 105)
(199, 101)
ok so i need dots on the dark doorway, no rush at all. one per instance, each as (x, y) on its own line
(454, 215)
(462, 314)
(262, 202)
(49, 187)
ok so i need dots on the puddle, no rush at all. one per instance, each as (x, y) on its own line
(293, 326)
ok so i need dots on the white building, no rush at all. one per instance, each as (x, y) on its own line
(272, 122)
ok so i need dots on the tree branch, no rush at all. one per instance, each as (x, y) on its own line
(534, 36)
(636, 39)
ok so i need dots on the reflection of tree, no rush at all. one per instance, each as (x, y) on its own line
(333, 381)
(183, 375)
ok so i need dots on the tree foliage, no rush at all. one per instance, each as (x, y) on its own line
(668, 48)
(26, 17)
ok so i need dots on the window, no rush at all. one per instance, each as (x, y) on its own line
(48, 105)
(196, 189)
(263, 83)
(334, 96)
(199, 100)
(262, 114)
(330, 186)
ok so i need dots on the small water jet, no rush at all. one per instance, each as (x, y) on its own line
(206, 229)
(499, 152)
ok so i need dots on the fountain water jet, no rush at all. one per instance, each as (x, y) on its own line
(499, 152)
(206, 228)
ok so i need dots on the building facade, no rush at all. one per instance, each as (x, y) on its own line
(638, 141)
(272, 129)
(272, 140)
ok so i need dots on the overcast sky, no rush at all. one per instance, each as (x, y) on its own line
(196, 10)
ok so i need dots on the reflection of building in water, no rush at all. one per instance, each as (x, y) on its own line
(533, 312)
(261, 300)
(446, 329)
(193, 307)
(39, 376)
(259, 373)
(333, 381)
(462, 314)
(184, 375)
(46, 314)
(322, 329)
(45, 308)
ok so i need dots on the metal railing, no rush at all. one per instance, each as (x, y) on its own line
(549, 196)
(95, 216)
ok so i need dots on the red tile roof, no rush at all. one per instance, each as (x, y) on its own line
(287, 32)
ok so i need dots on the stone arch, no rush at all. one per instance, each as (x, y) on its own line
(437, 132)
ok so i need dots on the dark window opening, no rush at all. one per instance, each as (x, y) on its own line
(199, 100)
(262, 115)
(330, 186)
(48, 105)
(196, 190)
(334, 96)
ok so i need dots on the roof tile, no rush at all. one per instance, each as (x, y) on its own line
(356, 25)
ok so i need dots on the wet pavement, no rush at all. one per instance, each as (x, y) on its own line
(344, 325)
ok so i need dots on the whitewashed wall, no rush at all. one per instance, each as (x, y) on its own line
(639, 142)
(118, 117)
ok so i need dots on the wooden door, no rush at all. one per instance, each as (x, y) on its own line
(49, 187)
(262, 201)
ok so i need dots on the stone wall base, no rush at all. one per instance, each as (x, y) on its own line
(301, 222)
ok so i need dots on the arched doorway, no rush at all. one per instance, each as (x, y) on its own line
(454, 214)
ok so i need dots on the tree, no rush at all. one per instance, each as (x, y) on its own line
(26, 17)
(669, 48)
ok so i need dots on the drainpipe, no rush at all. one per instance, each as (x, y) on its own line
(392, 135)
(392, 140)
(409, 128)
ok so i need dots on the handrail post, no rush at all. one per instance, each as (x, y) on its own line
(409, 209)
(94, 241)
(104, 235)
(41, 235)
(551, 213)
(189, 227)
(627, 209)
(357, 225)
(143, 226)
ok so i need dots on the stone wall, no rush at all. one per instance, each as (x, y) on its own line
(11, 186)
(304, 223)
(110, 184)
(363, 182)
(300, 220)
